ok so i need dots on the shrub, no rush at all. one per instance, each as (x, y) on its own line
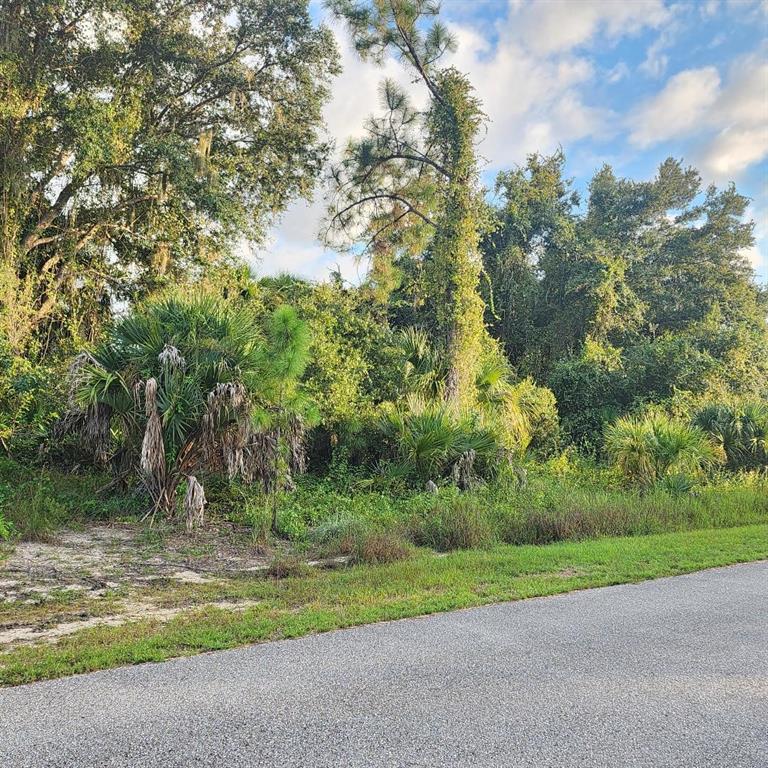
(381, 547)
(540, 409)
(590, 394)
(428, 439)
(34, 510)
(258, 517)
(453, 522)
(338, 535)
(29, 397)
(196, 385)
(6, 529)
(650, 448)
(741, 431)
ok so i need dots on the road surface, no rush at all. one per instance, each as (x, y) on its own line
(666, 673)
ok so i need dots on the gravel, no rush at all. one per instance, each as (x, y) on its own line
(667, 673)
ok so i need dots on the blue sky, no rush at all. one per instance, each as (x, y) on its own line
(624, 82)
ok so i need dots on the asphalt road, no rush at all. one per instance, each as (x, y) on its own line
(666, 673)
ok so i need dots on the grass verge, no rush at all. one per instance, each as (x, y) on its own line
(326, 600)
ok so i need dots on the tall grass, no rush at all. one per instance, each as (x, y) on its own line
(560, 502)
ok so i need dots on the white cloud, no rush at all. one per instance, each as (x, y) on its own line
(534, 103)
(533, 73)
(740, 117)
(656, 60)
(561, 25)
(293, 245)
(617, 73)
(732, 151)
(745, 97)
(756, 253)
(730, 121)
(677, 109)
(355, 93)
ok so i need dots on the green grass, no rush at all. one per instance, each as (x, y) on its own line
(580, 501)
(324, 600)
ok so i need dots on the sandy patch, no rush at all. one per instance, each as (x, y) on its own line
(130, 611)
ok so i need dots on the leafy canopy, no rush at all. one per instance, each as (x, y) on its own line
(139, 141)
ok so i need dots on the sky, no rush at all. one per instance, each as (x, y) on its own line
(624, 82)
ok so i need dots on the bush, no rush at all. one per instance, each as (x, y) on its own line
(29, 397)
(540, 409)
(35, 514)
(453, 522)
(258, 517)
(315, 502)
(648, 449)
(338, 535)
(193, 386)
(284, 566)
(381, 547)
(590, 394)
(741, 431)
(6, 529)
(584, 504)
(427, 439)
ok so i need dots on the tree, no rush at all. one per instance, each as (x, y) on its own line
(412, 183)
(139, 140)
(195, 385)
(534, 222)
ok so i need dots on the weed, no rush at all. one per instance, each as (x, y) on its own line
(283, 566)
(381, 547)
(454, 522)
(362, 541)
(36, 514)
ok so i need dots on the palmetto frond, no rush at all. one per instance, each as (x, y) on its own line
(200, 384)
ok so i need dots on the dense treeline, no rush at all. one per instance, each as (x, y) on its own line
(140, 143)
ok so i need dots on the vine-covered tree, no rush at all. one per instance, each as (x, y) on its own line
(645, 294)
(138, 140)
(412, 183)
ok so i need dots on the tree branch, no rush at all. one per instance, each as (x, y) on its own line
(384, 196)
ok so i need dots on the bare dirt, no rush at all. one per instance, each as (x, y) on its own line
(99, 575)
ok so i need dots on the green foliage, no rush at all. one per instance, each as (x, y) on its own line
(453, 522)
(652, 448)
(318, 502)
(36, 516)
(519, 415)
(30, 394)
(429, 439)
(354, 363)
(646, 295)
(590, 394)
(410, 186)
(539, 408)
(6, 528)
(173, 128)
(35, 501)
(226, 392)
(360, 540)
(741, 431)
(483, 335)
(535, 209)
(284, 566)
